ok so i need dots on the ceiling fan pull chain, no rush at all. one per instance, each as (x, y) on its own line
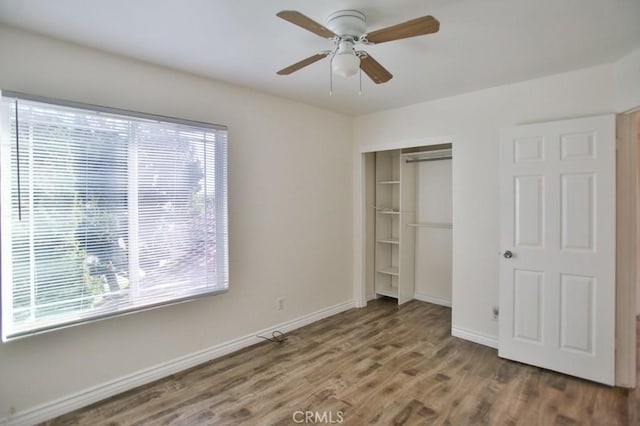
(331, 76)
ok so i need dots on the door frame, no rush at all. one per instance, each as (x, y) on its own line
(627, 163)
(360, 208)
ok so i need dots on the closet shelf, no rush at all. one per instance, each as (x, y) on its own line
(389, 240)
(382, 210)
(441, 225)
(390, 270)
(393, 201)
(389, 292)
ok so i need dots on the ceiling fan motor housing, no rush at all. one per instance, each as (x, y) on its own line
(347, 23)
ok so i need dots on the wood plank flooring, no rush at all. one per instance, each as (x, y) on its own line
(378, 365)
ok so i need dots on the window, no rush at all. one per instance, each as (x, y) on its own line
(105, 212)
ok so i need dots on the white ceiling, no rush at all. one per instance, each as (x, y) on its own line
(481, 43)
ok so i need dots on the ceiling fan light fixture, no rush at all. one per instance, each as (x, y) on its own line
(345, 64)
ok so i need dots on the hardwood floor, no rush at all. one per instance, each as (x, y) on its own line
(378, 365)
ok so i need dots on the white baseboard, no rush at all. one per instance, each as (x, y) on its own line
(97, 393)
(474, 336)
(431, 299)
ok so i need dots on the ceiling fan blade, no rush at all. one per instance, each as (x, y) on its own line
(374, 70)
(415, 27)
(305, 22)
(303, 63)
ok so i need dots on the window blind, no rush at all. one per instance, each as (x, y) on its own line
(106, 212)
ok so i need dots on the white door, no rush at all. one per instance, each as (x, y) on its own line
(557, 265)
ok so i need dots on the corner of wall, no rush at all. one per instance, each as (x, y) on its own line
(627, 82)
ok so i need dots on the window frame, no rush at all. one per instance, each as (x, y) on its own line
(221, 211)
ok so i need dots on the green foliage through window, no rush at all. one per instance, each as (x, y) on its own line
(106, 213)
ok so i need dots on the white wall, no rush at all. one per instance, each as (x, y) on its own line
(627, 82)
(290, 200)
(473, 121)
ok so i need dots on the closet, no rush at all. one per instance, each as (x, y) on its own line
(412, 224)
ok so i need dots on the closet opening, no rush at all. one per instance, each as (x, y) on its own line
(408, 224)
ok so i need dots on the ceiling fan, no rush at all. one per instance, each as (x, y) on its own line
(347, 29)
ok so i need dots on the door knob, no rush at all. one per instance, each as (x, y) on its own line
(507, 254)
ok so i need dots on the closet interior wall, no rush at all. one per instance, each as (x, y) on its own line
(433, 254)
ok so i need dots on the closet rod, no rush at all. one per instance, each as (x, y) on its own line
(419, 160)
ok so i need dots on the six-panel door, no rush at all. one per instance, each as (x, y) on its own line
(557, 290)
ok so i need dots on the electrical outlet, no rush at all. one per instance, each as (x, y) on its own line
(496, 312)
(281, 303)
